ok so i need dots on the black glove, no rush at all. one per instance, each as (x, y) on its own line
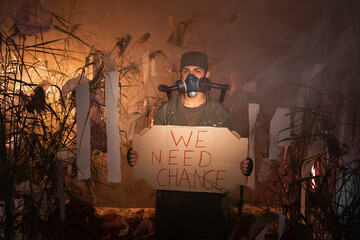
(250, 167)
(128, 156)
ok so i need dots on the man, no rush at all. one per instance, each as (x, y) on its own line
(192, 215)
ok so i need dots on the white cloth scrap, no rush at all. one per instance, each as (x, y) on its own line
(112, 126)
(154, 73)
(145, 70)
(253, 113)
(83, 130)
(279, 131)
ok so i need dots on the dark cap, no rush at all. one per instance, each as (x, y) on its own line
(198, 59)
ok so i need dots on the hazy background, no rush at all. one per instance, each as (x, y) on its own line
(264, 44)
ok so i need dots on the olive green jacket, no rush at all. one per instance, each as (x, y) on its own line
(214, 115)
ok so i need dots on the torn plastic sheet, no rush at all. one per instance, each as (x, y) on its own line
(69, 86)
(281, 219)
(154, 73)
(18, 206)
(315, 149)
(32, 16)
(264, 169)
(40, 197)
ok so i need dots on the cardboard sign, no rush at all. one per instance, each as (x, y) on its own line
(195, 159)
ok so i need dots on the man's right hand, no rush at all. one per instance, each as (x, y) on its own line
(132, 157)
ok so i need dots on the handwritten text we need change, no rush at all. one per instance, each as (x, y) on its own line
(188, 158)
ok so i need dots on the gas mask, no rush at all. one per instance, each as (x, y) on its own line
(191, 83)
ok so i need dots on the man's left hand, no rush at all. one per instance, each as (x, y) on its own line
(246, 166)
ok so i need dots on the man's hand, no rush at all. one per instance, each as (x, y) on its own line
(132, 157)
(246, 166)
